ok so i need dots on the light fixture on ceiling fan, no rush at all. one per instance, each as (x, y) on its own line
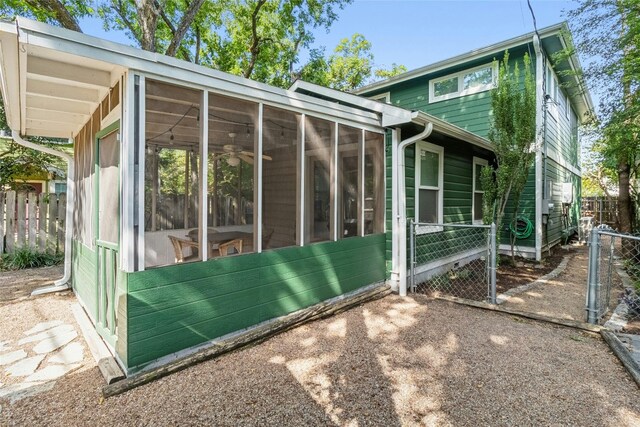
(236, 154)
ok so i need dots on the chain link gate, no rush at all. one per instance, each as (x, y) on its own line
(609, 251)
(453, 259)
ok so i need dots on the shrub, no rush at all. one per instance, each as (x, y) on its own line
(632, 300)
(26, 257)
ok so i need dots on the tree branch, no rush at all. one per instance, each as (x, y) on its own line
(183, 26)
(60, 12)
(254, 49)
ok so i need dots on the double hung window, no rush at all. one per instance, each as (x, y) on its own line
(429, 183)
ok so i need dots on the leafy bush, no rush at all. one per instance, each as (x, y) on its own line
(26, 257)
(632, 300)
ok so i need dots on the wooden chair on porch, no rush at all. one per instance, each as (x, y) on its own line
(236, 244)
(180, 244)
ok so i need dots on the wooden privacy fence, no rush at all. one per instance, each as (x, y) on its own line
(32, 220)
(604, 210)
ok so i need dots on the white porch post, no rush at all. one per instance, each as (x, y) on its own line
(395, 232)
(138, 181)
(257, 179)
(301, 181)
(204, 167)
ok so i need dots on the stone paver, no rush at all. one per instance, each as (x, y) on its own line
(52, 333)
(8, 358)
(25, 366)
(43, 326)
(71, 353)
(51, 372)
(50, 344)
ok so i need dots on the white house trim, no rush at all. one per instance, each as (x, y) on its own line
(540, 76)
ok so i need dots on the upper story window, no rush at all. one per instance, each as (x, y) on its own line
(557, 102)
(478, 79)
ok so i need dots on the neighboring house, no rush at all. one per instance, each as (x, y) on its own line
(38, 179)
(159, 143)
(457, 90)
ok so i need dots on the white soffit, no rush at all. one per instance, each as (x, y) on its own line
(59, 91)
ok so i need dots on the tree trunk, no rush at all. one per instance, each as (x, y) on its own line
(147, 16)
(624, 197)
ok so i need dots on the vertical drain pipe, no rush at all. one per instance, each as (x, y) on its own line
(63, 283)
(402, 206)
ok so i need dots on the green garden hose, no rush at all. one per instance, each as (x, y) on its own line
(523, 227)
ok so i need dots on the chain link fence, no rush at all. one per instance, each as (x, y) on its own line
(453, 260)
(610, 251)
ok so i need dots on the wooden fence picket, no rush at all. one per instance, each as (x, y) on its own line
(11, 220)
(42, 223)
(51, 229)
(21, 219)
(32, 207)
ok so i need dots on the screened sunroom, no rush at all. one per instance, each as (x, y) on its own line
(201, 203)
(255, 176)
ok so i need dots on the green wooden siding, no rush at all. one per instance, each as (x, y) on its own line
(180, 306)
(563, 220)
(83, 278)
(457, 197)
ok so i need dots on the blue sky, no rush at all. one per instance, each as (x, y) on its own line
(419, 32)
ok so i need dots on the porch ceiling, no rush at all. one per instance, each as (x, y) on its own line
(47, 92)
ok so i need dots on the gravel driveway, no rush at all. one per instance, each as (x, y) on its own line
(390, 362)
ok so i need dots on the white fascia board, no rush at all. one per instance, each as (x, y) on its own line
(449, 129)
(46, 36)
(9, 73)
(460, 59)
(391, 115)
(574, 63)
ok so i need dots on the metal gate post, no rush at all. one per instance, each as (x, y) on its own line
(592, 280)
(494, 262)
(412, 256)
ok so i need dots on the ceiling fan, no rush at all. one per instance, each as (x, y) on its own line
(235, 153)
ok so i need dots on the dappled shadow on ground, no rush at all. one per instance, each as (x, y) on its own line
(17, 285)
(411, 361)
(562, 297)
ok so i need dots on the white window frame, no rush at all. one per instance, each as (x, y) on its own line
(552, 90)
(477, 161)
(460, 75)
(439, 150)
(382, 97)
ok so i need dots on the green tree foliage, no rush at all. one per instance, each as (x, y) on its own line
(57, 12)
(607, 33)
(395, 69)
(513, 131)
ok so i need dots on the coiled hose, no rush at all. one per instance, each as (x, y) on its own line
(523, 227)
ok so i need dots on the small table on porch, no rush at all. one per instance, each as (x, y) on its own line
(216, 237)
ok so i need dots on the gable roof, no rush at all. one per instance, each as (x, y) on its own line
(553, 38)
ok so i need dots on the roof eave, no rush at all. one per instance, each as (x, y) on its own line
(454, 131)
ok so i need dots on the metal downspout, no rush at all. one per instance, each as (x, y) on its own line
(402, 207)
(63, 283)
